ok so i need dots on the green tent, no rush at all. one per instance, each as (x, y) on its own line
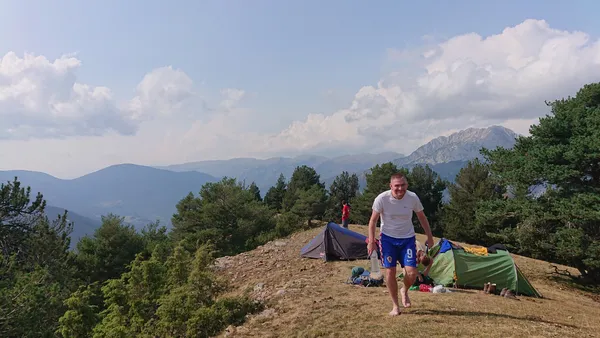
(471, 270)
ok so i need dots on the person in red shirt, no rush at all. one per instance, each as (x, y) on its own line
(345, 214)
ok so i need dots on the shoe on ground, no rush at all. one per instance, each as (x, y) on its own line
(509, 294)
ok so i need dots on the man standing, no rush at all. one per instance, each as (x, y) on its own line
(345, 214)
(395, 207)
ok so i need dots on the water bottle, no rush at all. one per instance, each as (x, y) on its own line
(374, 263)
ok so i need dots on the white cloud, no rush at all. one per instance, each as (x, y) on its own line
(227, 133)
(466, 81)
(231, 98)
(165, 92)
(42, 99)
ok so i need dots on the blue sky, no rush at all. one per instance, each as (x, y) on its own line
(289, 58)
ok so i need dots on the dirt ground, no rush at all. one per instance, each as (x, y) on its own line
(310, 298)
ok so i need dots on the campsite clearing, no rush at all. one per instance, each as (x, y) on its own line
(309, 298)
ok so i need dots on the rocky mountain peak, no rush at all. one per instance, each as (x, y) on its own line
(460, 146)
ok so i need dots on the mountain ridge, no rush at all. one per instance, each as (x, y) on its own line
(445, 154)
(461, 145)
(141, 194)
(265, 172)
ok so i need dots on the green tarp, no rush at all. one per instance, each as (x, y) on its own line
(473, 271)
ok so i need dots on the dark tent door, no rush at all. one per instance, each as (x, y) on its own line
(336, 242)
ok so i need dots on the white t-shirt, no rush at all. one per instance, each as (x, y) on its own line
(396, 214)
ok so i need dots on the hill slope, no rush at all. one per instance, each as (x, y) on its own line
(308, 298)
(81, 225)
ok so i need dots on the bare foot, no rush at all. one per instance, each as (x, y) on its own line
(405, 299)
(395, 311)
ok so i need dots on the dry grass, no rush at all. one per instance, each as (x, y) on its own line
(309, 298)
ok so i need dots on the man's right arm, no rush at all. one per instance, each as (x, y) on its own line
(372, 226)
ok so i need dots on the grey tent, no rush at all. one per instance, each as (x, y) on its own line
(336, 242)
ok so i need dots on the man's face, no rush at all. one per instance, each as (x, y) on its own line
(398, 186)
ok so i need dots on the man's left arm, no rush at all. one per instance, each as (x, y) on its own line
(425, 224)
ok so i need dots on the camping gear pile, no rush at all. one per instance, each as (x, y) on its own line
(425, 284)
(362, 277)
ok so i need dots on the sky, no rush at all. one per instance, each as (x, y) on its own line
(89, 84)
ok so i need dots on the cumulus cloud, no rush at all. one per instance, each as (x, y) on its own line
(39, 98)
(466, 81)
(231, 98)
(229, 131)
(164, 92)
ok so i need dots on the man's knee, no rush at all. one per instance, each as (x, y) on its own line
(411, 272)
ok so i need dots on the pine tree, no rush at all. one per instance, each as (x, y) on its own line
(562, 157)
(427, 184)
(274, 196)
(472, 185)
(224, 214)
(303, 178)
(345, 187)
(255, 191)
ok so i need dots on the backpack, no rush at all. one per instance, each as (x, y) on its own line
(362, 277)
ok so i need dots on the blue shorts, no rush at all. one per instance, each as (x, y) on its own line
(393, 250)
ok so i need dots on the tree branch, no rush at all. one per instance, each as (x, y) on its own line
(564, 272)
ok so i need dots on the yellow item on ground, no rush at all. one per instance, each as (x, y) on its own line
(481, 251)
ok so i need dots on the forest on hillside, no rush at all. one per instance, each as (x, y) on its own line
(120, 282)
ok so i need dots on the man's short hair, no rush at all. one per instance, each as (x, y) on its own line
(426, 260)
(398, 176)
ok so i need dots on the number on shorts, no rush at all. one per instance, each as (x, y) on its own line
(409, 253)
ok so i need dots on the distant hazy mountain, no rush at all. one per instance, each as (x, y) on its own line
(446, 155)
(81, 225)
(265, 172)
(141, 194)
(461, 146)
